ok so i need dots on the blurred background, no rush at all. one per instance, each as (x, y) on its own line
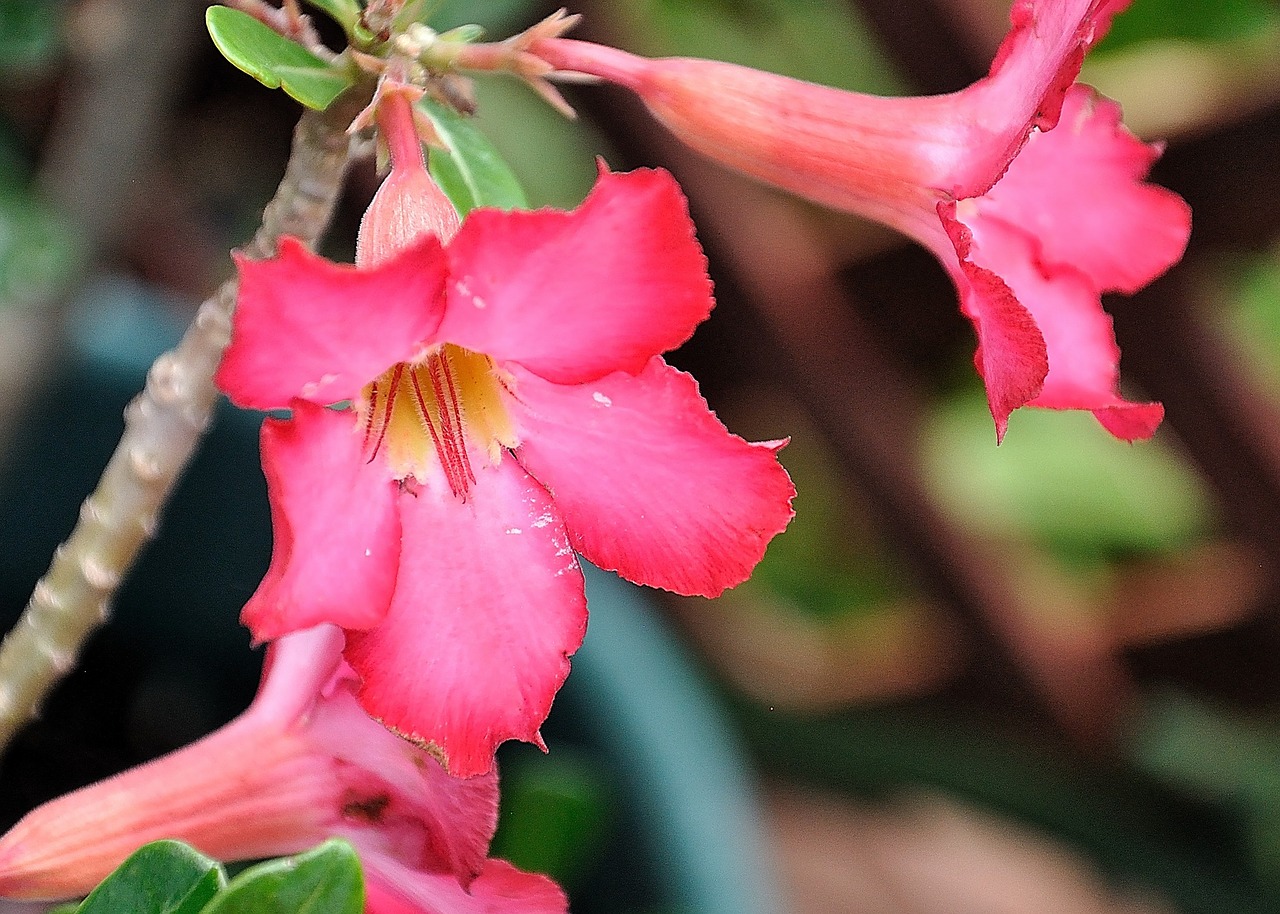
(1040, 677)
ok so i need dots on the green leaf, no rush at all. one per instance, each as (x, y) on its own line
(274, 60)
(345, 12)
(325, 880)
(472, 172)
(164, 877)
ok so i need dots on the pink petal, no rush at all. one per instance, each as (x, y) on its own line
(1079, 190)
(573, 296)
(500, 889)
(1038, 61)
(650, 483)
(335, 522)
(305, 327)
(1082, 353)
(1012, 357)
(298, 669)
(398, 801)
(488, 607)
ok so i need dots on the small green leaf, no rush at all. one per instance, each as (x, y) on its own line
(345, 12)
(314, 88)
(274, 60)
(464, 34)
(325, 880)
(472, 172)
(164, 877)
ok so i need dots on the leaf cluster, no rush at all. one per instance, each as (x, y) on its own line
(169, 877)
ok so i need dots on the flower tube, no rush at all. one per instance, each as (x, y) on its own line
(302, 764)
(1025, 185)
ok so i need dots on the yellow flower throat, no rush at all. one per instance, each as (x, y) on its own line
(448, 405)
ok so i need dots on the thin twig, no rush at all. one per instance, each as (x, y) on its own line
(163, 426)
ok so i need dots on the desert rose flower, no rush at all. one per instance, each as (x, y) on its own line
(304, 763)
(1026, 186)
(503, 404)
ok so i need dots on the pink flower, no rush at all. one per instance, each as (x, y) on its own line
(302, 764)
(508, 406)
(1033, 223)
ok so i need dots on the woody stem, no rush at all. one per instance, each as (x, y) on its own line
(163, 426)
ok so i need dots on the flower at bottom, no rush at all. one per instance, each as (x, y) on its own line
(303, 763)
(1026, 187)
(501, 402)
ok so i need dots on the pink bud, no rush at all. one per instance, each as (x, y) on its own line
(409, 204)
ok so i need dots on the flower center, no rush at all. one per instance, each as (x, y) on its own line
(448, 405)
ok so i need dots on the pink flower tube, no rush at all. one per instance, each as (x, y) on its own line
(304, 763)
(1025, 185)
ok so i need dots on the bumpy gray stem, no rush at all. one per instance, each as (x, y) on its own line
(163, 426)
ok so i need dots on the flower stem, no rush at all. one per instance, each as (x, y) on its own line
(163, 426)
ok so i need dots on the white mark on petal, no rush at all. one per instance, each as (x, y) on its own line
(311, 388)
(543, 519)
(511, 530)
(368, 552)
(463, 288)
(601, 399)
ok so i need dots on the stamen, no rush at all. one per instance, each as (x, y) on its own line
(450, 410)
(394, 386)
(368, 418)
(424, 413)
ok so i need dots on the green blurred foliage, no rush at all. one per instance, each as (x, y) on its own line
(1192, 20)
(38, 253)
(556, 814)
(555, 158)
(817, 40)
(823, 565)
(1059, 479)
(499, 18)
(1221, 756)
(1252, 315)
(30, 34)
